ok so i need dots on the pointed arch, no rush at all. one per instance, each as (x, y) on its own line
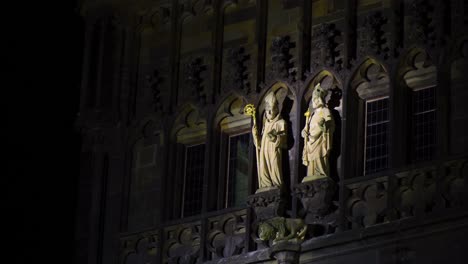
(229, 113)
(189, 126)
(283, 92)
(328, 81)
(370, 80)
(416, 70)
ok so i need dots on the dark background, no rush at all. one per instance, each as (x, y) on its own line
(43, 53)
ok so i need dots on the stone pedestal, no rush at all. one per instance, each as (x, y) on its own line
(286, 252)
(316, 198)
(267, 204)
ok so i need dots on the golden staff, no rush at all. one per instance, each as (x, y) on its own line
(306, 139)
(249, 110)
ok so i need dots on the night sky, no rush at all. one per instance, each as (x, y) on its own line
(43, 55)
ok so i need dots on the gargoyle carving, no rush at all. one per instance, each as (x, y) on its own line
(282, 229)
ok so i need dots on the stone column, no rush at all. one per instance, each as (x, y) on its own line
(286, 252)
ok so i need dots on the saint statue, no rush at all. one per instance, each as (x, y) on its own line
(317, 134)
(269, 147)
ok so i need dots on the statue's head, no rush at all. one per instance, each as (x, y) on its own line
(266, 232)
(271, 106)
(318, 96)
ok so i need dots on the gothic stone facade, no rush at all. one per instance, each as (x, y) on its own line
(161, 77)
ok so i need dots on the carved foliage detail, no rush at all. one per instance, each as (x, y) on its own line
(327, 38)
(367, 204)
(372, 37)
(193, 70)
(424, 22)
(226, 237)
(267, 204)
(281, 57)
(155, 81)
(237, 74)
(182, 245)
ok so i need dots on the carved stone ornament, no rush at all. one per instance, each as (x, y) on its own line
(281, 57)
(141, 249)
(372, 37)
(154, 82)
(267, 204)
(423, 22)
(282, 229)
(367, 204)
(325, 40)
(193, 79)
(237, 74)
(316, 197)
(285, 236)
(416, 193)
(227, 235)
(182, 244)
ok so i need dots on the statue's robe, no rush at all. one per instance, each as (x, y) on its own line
(269, 158)
(316, 151)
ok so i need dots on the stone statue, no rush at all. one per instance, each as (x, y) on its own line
(273, 139)
(317, 134)
(282, 229)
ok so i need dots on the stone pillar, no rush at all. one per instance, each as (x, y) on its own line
(316, 197)
(286, 252)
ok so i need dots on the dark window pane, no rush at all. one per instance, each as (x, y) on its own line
(237, 170)
(377, 118)
(193, 186)
(423, 124)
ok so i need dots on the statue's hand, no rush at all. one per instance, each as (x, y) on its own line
(321, 122)
(304, 133)
(272, 137)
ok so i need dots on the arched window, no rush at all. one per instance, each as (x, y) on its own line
(189, 134)
(370, 102)
(421, 81)
(234, 140)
